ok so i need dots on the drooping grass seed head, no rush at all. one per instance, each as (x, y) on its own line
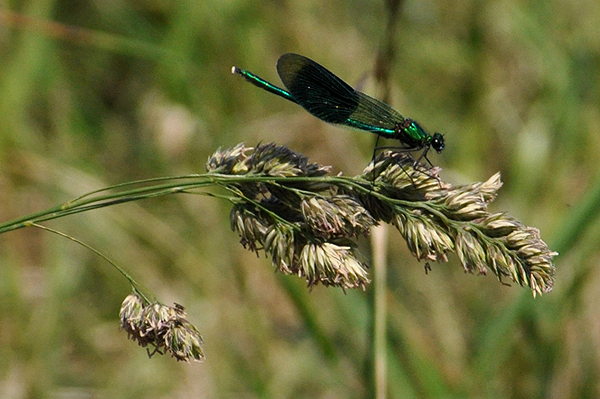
(163, 327)
(332, 265)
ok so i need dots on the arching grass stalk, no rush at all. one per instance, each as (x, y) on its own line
(307, 222)
(134, 285)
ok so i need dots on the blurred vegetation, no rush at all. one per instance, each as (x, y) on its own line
(102, 92)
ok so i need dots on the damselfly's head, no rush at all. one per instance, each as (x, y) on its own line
(437, 142)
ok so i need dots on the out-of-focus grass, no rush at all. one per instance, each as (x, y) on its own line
(145, 90)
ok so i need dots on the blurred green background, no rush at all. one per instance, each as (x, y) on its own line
(94, 93)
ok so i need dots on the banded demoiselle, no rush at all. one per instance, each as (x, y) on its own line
(332, 100)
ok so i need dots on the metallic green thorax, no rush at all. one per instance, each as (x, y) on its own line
(332, 100)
